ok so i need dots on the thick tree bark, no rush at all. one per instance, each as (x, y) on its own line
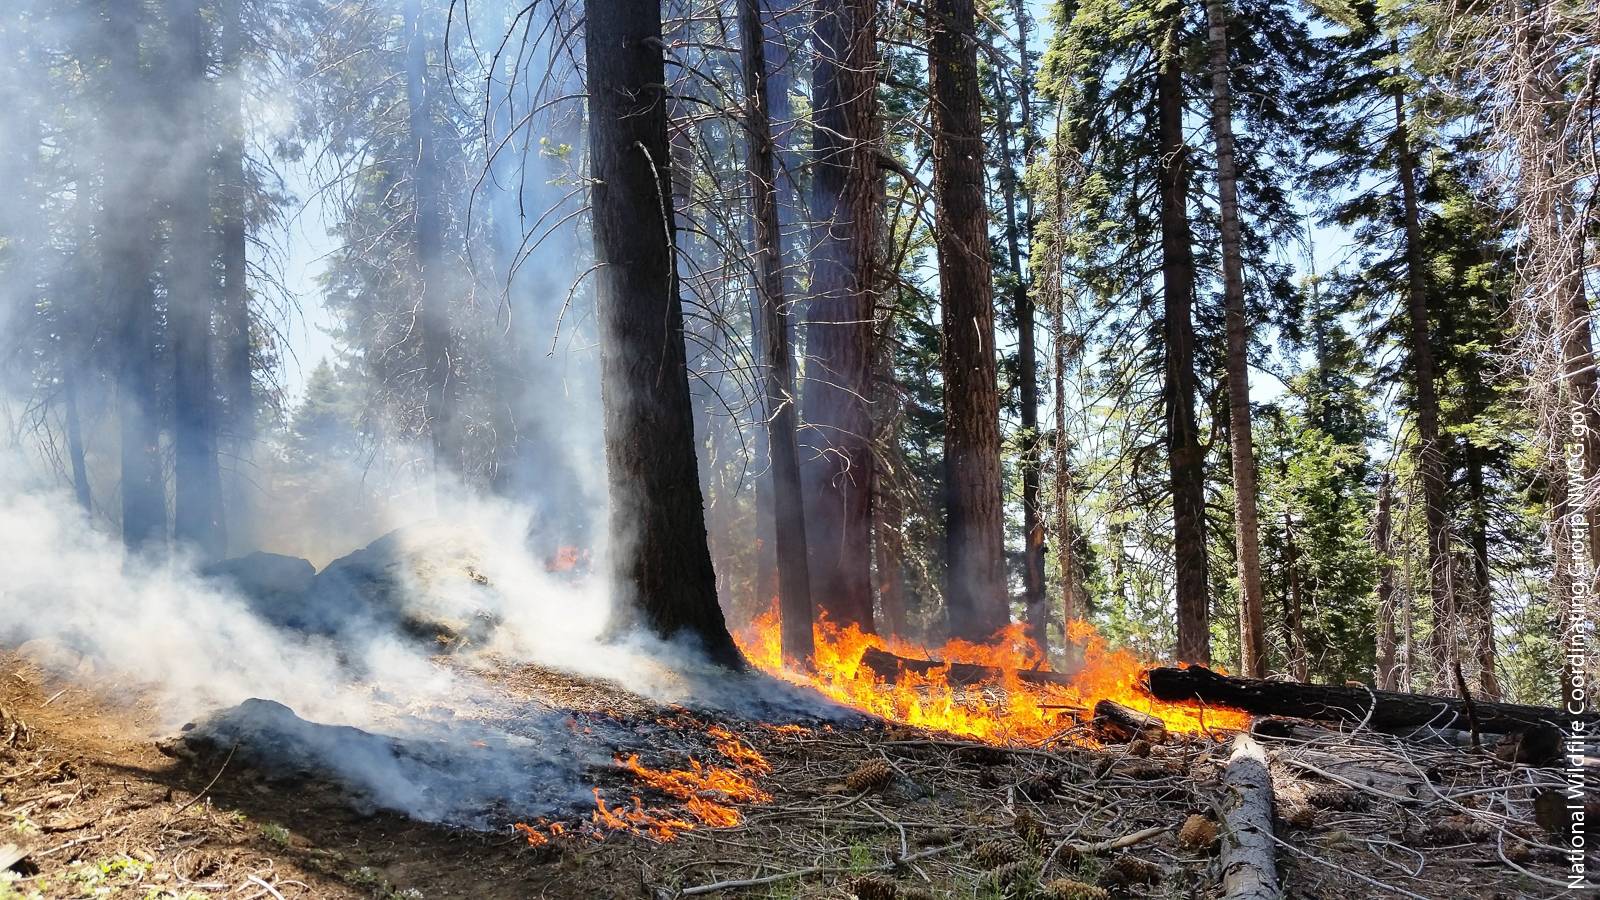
(772, 340)
(1186, 458)
(128, 252)
(1034, 600)
(197, 508)
(837, 475)
(1383, 548)
(1430, 455)
(976, 591)
(433, 300)
(1247, 531)
(661, 567)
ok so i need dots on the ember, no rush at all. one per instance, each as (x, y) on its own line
(1025, 711)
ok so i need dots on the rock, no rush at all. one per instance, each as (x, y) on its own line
(426, 580)
(274, 586)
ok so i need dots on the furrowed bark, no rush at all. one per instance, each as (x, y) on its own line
(1387, 613)
(660, 562)
(976, 590)
(772, 337)
(837, 474)
(1185, 455)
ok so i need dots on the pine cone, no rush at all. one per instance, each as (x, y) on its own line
(994, 854)
(1067, 889)
(1130, 870)
(1198, 833)
(872, 775)
(875, 887)
(1011, 874)
(1140, 748)
(1337, 798)
(1029, 828)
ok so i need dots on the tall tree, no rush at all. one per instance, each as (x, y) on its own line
(837, 476)
(127, 236)
(197, 508)
(1252, 637)
(661, 564)
(976, 594)
(1185, 456)
(1017, 144)
(772, 339)
(236, 362)
(432, 303)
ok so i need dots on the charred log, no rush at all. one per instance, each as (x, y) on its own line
(1115, 722)
(1386, 710)
(890, 666)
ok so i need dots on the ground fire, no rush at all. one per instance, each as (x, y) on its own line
(1018, 710)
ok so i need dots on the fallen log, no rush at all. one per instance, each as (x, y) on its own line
(890, 666)
(1249, 859)
(1385, 710)
(1114, 722)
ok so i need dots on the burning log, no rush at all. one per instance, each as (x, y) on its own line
(1115, 722)
(1386, 710)
(889, 666)
(1249, 860)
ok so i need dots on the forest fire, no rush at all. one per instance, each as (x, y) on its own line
(1026, 711)
(705, 792)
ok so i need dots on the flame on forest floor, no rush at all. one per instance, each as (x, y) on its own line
(1023, 712)
(705, 793)
(567, 559)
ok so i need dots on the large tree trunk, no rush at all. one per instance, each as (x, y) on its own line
(772, 340)
(236, 364)
(433, 300)
(837, 476)
(1186, 458)
(976, 590)
(1012, 155)
(197, 508)
(1383, 548)
(1430, 455)
(1247, 532)
(1294, 615)
(127, 251)
(661, 567)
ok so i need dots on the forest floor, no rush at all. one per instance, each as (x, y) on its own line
(881, 812)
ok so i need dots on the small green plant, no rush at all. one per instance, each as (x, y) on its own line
(861, 857)
(276, 833)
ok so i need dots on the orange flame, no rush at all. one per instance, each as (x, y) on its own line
(567, 559)
(1025, 711)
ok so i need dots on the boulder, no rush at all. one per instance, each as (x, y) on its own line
(274, 586)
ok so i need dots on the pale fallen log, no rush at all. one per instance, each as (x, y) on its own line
(1249, 858)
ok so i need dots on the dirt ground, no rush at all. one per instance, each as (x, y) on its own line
(883, 813)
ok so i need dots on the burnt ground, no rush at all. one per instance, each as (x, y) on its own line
(878, 812)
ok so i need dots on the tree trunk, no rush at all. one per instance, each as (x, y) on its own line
(1481, 616)
(661, 567)
(127, 252)
(1383, 548)
(433, 301)
(1247, 531)
(1295, 624)
(976, 590)
(837, 475)
(1430, 456)
(80, 473)
(772, 339)
(1034, 600)
(237, 388)
(197, 508)
(1185, 455)
(888, 528)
